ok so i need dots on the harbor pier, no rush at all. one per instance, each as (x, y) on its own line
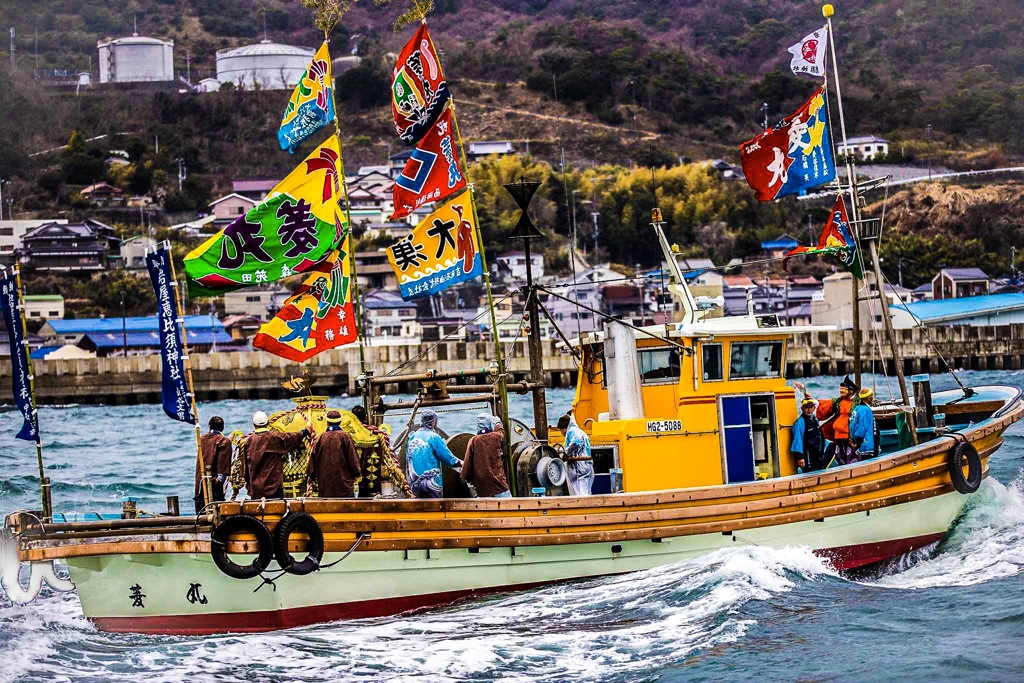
(254, 374)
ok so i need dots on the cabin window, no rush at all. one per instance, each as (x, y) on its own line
(659, 366)
(755, 359)
(711, 362)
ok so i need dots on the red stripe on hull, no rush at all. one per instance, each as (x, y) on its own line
(853, 556)
(846, 557)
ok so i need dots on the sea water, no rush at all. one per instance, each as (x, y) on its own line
(954, 610)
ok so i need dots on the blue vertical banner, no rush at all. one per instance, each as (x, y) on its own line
(174, 391)
(11, 305)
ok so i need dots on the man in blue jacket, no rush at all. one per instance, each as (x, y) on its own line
(862, 426)
(426, 454)
(808, 445)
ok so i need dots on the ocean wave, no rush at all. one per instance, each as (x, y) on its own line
(986, 543)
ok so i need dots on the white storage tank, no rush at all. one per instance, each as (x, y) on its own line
(136, 59)
(267, 65)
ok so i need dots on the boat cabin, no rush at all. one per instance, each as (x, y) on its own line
(679, 406)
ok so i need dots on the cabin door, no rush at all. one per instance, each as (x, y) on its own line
(737, 439)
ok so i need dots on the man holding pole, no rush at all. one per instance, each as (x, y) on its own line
(216, 451)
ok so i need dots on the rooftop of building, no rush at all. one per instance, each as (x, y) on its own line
(963, 307)
(963, 274)
(132, 324)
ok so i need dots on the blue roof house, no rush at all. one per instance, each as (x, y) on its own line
(991, 309)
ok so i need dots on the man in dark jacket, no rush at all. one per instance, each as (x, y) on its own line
(216, 451)
(264, 454)
(333, 462)
(483, 466)
(808, 445)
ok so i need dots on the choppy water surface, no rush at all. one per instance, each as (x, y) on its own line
(951, 611)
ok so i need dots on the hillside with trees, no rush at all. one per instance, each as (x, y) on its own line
(621, 86)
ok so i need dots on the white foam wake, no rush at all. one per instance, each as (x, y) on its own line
(985, 544)
(632, 624)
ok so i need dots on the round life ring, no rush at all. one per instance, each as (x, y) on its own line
(308, 525)
(241, 524)
(970, 482)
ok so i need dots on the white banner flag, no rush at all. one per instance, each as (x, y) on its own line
(809, 54)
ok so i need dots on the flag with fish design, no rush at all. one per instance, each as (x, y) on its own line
(794, 156)
(311, 106)
(432, 173)
(318, 316)
(808, 56)
(439, 252)
(21, 374)
(837, 240)
(291, 231)
(418, 87)
(174, 394)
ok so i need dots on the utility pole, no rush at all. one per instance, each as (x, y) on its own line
(2, 181)
(1013, 263)
(13, 61)
(764, 115)
(928, 134)
(595, 216)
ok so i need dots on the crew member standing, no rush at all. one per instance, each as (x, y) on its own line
(580, 469)
(483, 466)
(426, 453)
(264, 457)
(216, 450)
(834, 416)
(333, 461)
(808, 446)
(862, 426)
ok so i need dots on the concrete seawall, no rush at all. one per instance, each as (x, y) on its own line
(136, 379)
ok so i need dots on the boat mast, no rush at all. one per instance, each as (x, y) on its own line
(502, 380)
(356, 299)
(207, 484)
(44, 481)
(827, 11)
(871, 236)
(522, 192)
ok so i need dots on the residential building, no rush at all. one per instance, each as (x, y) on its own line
(104, 194)
(986, 309)
(229, 207)
(725, 170)
(778, 247)
(69, 247)
(256, 190)
(242, 327)
(834, 307)
(369, 195)
(12, 232)
(259, 302)
(386, 313)
(375, 271)
(64, 332)
(488, 148)
(133, 252)
(954, 283)
(512, 266)
(44, 306)
(867, 147)
(396, 162)
(736, 290)
(146, 342)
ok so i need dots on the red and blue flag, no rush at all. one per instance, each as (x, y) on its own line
(794, 156)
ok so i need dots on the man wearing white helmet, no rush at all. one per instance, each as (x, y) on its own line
(264, 453)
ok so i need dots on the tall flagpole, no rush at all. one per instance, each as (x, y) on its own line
(178, 296)
(357, 302)
(827, 11)
(502, 388)
(44, 482)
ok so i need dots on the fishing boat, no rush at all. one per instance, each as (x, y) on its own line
(691, 427)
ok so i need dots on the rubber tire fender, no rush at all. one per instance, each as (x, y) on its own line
(233, 525)
(314, 552)
(970, 483)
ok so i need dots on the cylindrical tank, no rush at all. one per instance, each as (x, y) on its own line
(266, 65)
(136, 59)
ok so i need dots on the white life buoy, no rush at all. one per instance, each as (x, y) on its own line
(39, 572)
